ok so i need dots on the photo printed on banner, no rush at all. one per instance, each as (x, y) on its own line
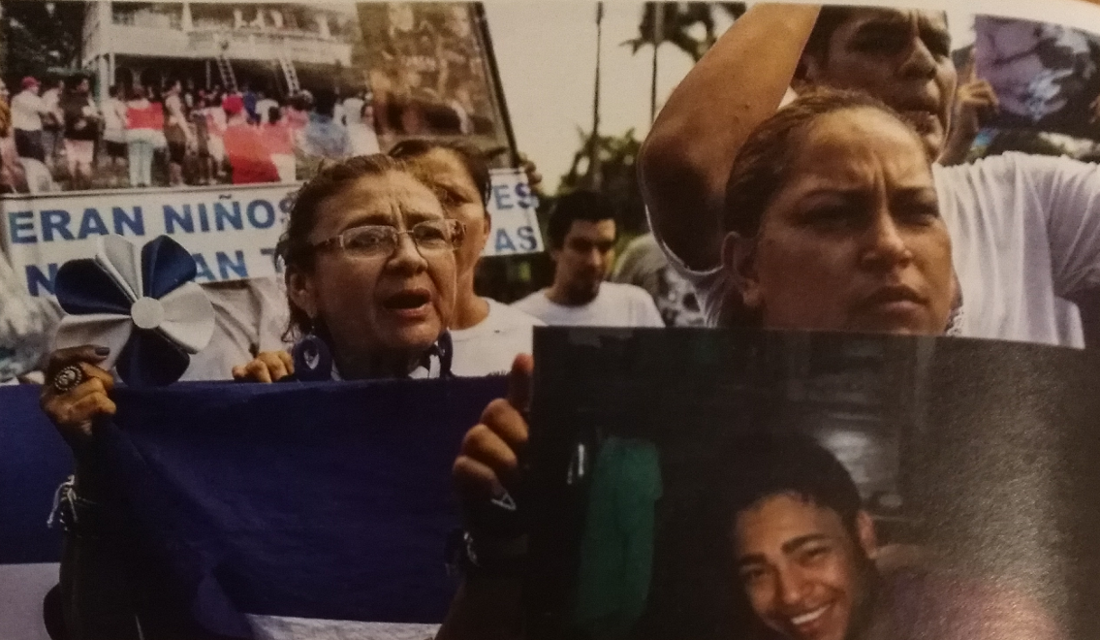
(315, 81)
(1046, 75)
(773, 485)
(200, 120)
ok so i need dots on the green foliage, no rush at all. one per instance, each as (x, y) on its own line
(673, 22)
(609, 164)
(40, 37)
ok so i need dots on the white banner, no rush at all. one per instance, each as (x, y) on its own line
(231, 230)
(512, 206)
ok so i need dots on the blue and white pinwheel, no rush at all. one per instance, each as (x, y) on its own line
(139, 301)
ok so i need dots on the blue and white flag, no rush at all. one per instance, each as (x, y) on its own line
(291, 510)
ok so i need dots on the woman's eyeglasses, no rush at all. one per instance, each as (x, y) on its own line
(380, 240)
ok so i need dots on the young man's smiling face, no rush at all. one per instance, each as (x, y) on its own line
(902, 57)
(805, 574)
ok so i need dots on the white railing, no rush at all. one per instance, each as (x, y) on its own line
(254, 44)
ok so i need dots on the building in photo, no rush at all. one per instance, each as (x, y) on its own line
(278, 48)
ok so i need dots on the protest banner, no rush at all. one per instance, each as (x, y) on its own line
(512, 209)
(349, 79)
(231, 231)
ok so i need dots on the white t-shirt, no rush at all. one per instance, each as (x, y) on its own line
(114, 120)
(616, 305)
(353, 110)
(1025, 235)
(51, 98)
(263, 109)
(489, 347)
(26, 111)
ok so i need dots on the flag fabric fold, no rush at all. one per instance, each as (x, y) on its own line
(325, 501)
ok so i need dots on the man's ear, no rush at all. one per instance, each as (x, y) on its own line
(488, 225)
(865, 531)
(739, 261)
(301, 291)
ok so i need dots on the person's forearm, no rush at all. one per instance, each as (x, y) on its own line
(687, 156)
(485, 608)
(957, 149)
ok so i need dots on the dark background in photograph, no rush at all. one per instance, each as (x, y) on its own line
(983, 451)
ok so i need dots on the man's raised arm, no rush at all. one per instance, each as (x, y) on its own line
(687, 156)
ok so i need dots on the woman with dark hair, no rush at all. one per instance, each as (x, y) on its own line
(370, 274)
(486, 334)
(341, 238)
(832, 224)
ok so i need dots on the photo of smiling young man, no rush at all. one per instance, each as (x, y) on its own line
(801, 543)
(810, 564)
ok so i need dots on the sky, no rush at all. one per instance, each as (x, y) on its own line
(546, 54)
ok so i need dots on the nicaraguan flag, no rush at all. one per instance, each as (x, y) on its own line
(293, 510)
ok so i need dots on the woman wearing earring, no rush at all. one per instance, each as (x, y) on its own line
(370, 273)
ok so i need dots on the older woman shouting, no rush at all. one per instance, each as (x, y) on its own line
(370, 272)
(370, 269)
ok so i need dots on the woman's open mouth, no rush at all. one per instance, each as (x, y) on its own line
(411, 304)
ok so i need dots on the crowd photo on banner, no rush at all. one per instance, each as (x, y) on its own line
(299, 341)
(175, 94)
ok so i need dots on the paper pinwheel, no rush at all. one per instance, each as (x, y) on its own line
(139, 301)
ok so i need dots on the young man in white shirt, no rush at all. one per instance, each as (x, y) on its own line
(486, 334)
(582, 244)
(1025, 229)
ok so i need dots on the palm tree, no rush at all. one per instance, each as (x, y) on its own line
(672, 22)
(592, 178)
(608, 163)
